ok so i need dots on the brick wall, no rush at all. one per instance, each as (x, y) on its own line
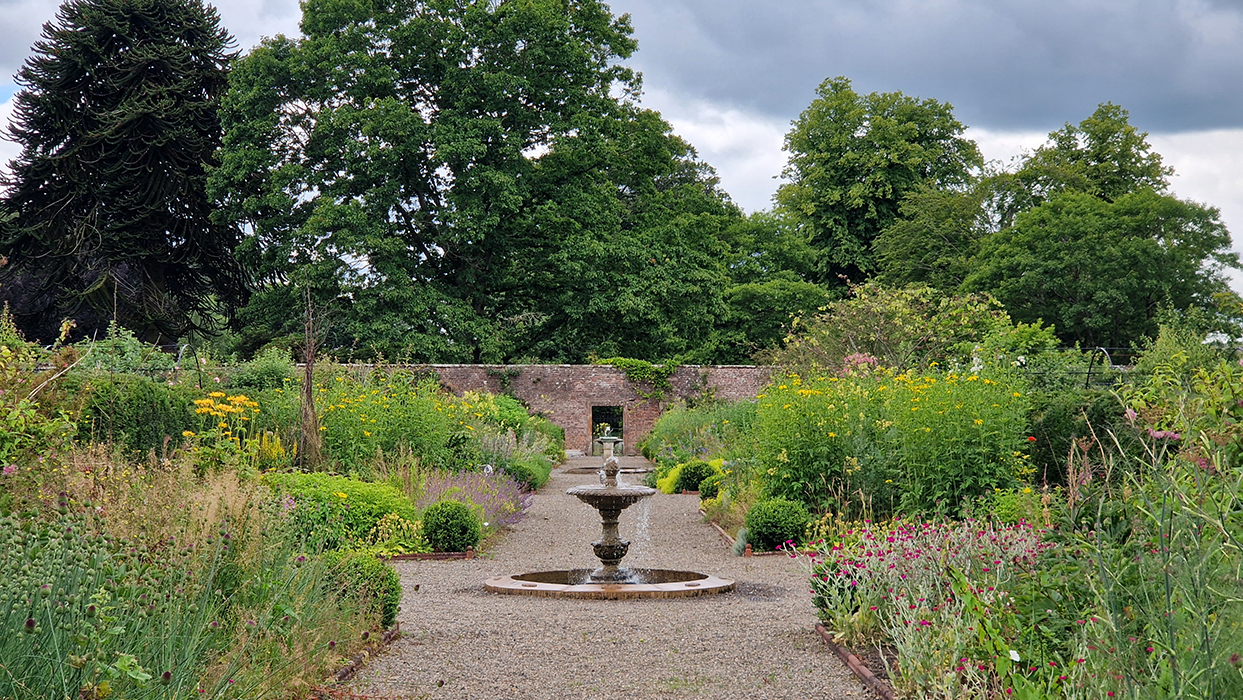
(567, 393)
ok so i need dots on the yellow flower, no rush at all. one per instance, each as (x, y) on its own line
(367, 433)
(187, 433)
(217, 394)
(979, 421)
(223, 425)
(341, 494)
(1017, 394)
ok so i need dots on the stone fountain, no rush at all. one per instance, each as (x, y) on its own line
(610, 580)
(610, 498)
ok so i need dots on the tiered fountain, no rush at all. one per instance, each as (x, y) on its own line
(610, 580)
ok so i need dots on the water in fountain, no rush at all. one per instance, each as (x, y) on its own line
(612, 581)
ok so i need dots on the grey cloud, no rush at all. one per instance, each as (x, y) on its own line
(1004, 64)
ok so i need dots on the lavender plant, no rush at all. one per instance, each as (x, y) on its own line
(500, 499)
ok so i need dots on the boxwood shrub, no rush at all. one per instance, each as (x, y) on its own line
(362, 576)
(772, 523)
(451, 526)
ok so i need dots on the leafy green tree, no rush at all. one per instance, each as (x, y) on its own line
(758, 315)
(109, 215)
(638, 266)
(1100, 271)
(1104, 156)
(853, 158)
(404, 159)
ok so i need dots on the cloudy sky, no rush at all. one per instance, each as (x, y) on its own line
(730, 75)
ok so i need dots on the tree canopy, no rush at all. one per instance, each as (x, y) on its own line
(852, 160)
(470, 181)
(1081, 234)
(107, 208)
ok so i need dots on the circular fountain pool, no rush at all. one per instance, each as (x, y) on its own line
(640, 583)
(611, 581)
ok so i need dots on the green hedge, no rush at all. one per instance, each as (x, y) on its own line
(330, 511)
(131, 410)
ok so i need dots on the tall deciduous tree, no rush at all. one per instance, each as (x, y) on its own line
(407, 159)
(1100, 271)
(118, 123)
(852, 160)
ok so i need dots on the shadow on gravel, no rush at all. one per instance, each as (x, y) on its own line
(759, 592)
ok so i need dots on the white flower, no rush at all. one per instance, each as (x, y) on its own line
(1014, 655)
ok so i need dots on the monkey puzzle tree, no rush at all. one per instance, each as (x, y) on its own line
(108, 210)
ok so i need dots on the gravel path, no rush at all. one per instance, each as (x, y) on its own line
(460, 641)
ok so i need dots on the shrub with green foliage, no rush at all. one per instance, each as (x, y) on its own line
(132, 410)
(692, 473)
(364, 577)
(706, 431)
(270, 369)
(530, 471)
(329, 512)
(710, 487)
(451, 526)
(772, 523)
(915, 442)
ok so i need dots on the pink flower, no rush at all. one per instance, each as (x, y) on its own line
(11, 469)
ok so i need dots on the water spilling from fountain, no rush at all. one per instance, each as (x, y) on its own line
(610, 579)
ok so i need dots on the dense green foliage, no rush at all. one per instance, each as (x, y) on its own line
(478, 158)
(335, 511)
(854, 157)
(773, 523)
(118, 125)
(451, 526)
(1082, 235)
(132, 410)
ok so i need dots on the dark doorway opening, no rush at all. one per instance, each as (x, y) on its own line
(610, 416)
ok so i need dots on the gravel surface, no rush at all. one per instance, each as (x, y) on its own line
(460, 641)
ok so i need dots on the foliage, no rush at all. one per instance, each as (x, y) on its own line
(758, 315)
(498, 499)
(886, 440)
(906, 328)
(938, 592)
(112, 219)
(331, 512)
(693, 473)
(522, 125)
(710, 487)
(852, 160)
(394, 534)
(1076, 260)
(1103, 156)
(234, 614)
(777, 522)
(363, 577)
(451, 526)
(641, 373)
(122, 351)
(268, 370)
(685, 476)
(132, 410)
(706, 431)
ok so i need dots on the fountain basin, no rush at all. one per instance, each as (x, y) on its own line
(611, 497)
(577, 583)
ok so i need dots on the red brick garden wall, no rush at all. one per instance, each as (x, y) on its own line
(567, 393)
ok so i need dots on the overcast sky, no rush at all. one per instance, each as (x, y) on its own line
(730, 75)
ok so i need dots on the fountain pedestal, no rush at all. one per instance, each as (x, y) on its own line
(610, 499)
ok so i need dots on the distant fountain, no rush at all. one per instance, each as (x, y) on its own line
(610, 580)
